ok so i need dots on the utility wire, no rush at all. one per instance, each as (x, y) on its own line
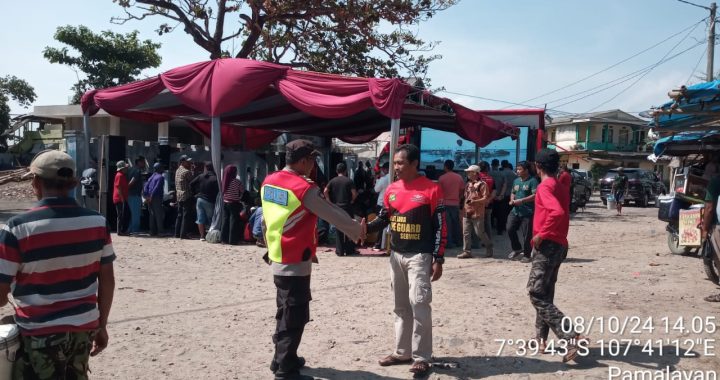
(503, 101)
(693, 26)
(565, 113)
(693, 4)
(696, 66)
(557, 112)
(647, 72)
(624, 79)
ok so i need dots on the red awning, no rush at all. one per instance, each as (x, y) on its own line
(256, 101)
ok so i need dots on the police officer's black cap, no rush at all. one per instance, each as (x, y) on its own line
(547, 157)
(296, 150)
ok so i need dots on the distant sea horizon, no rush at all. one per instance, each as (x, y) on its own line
(464, 158)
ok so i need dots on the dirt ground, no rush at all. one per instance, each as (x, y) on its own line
(188, 309)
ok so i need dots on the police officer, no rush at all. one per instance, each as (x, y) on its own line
(291, 205)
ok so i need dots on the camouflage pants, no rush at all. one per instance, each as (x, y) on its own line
(62, 356)
(541, 287)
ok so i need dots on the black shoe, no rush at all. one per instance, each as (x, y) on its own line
(300, 363)
(293, 376)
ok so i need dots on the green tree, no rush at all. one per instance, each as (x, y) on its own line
(12, 88)
(358, 37)
(107, 59)
(598, 171)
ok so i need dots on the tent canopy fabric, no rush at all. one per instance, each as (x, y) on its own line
(256, 101)
(687, 141)
(694, 106)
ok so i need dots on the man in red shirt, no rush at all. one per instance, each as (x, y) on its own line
(452, 185)
(551, 222)
(120, 198)
(414, 210)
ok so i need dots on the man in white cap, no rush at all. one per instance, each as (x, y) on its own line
(183, 193)
(477, 196)
(58, 256)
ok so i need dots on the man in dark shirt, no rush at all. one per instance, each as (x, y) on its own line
(620, 189)
(341, 191)
(153, 192)
(360, 177)
(135, 187)
(206, 188)
(487, 177)
(416, 215)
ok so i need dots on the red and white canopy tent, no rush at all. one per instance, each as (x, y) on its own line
(249, 103)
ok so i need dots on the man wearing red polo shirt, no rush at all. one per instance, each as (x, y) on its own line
(551, 222)
(414, 210)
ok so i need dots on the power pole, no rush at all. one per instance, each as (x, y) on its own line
(711, 43)
(711, 37)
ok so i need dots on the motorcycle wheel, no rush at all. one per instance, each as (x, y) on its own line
(712, 269)
(673, 244)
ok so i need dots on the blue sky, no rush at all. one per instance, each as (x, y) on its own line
(506, 50)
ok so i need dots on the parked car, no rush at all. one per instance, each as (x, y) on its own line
(644, 186)
(587, 178)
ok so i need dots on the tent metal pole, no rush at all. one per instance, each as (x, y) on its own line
(215, 154)
(86, 132)
(394, 138)
(215, 145)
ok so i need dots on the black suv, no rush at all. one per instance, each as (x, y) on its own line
(644, 185)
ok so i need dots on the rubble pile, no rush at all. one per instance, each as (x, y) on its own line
(13, 186)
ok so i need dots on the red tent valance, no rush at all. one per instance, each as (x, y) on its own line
(256, 101)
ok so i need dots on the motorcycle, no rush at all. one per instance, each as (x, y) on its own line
(669, 211)
(711, 259)
(578, 200)
(711, 262)
(578, 193)
(673, 239)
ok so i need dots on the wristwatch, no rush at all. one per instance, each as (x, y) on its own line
(439, 259)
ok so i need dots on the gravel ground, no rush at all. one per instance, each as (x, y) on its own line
(185, 309)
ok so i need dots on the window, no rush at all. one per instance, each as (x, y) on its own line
(576, 166)
(553, 136)
(632, 165)
(582, 132)
(607, 133)
(623, 137)
(640, 137)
